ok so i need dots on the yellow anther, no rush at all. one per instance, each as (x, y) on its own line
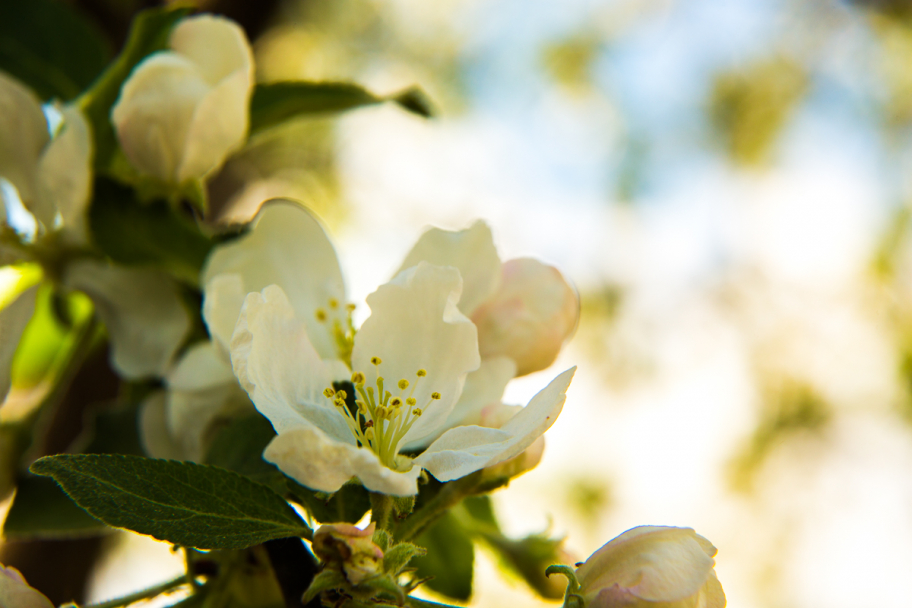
(411, 401)
(339, 402)
(382, 412)
(342, 395)
(416, 412)
(333, 303)
(435, 395)
(357, 378)
(369, 434)
(362, 407)
(328, 393)
(403, 384)
(350, 307)
(321, 315)
(395, 402)
(421, 373)
(376, 360)
(370, 392)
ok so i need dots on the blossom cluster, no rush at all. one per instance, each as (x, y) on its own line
(406, 407)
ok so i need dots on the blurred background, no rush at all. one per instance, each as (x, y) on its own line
(727, 184)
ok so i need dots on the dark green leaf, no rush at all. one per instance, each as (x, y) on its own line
(148, 34)
(115, 430)
(450, 558)
(326, 580)
(348, 505)
(145, 234)
(42, 510)
(277, 102)
(482, 510)
(52, 48)
(181, 502)
(239, 447)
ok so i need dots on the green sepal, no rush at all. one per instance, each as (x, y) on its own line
(398, 557)
(324, 581)
(382, 539)
(385, 584)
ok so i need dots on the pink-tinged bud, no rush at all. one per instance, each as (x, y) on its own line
(532, 314)
(352, 548)
(15, 592)
(651, 566)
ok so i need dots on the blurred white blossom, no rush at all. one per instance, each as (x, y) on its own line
(16, 593)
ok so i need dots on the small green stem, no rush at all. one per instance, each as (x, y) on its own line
(448, 496)
(381, 510)
(144, 594)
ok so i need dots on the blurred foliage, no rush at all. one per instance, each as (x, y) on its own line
(590, 498)
(789, 409)
(749, 107)
(895, 47)
(569, 61)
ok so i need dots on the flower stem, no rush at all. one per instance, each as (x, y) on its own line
(448, 496)
(381, 510)
(144, 594)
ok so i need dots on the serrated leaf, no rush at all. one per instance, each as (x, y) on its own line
(184, 503)
(51, 47)
(152, 234)
(397, 558)
(276, 102)
(149, 33)
(42, 510)
(450, 558)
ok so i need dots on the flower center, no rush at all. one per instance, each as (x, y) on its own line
(339, 324)
(381, 417)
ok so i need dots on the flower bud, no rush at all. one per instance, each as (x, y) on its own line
(16, 593)
(182, 111)
(651, 566)
(350, 547)
(533, 312)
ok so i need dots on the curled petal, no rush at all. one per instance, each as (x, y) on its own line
(16, 593)
(471, 250)
(652, 563)
(13, 320)
(142, 310)
(287, 247)
(321, 463)
(281, 370)
(65, 175)
(415, 324)
(466, 449)
(217, 46)
(25, 134)
(529, 318)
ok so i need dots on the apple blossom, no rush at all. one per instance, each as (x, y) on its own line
(182, 111)
(16, 593)
(652, 566)
(351, 548)
(409, 363)
(523, 309)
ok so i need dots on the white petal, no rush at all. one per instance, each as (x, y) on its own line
(280, 369)
(16, 593)
(201, 367)
(466, 449)
(653, 563)
(65, 175)
(142, 310)
(532, 314)
(215, 44)
(471, 250)
(415, 324)
(154, 433)
(152, 117)
(25, 133)
(482, 387)
(13, 320)
(286, 247)
(321, 463)
(223, 296)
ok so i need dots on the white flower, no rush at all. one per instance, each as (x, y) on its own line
(182, 111)
(652, 566)
(16, 593)
(524, 309)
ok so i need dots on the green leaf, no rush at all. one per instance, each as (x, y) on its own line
(398, 557)
(348, 505)
(148, 34)
(239, 447)
(326, 580)
(145, 234)
(450, 558)
(277, 102)
(52, 48)
(184, 503)
(42, 510)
